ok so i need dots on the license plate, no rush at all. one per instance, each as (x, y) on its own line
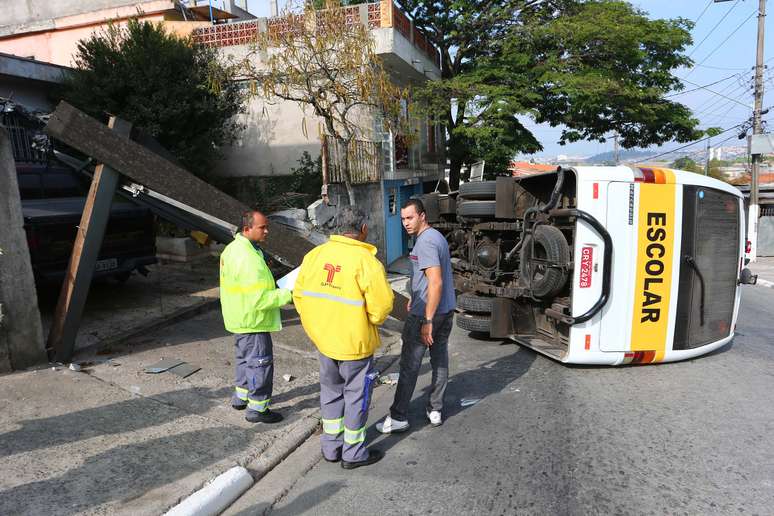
(106, 265)
(587, 259)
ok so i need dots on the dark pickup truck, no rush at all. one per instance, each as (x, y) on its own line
(53, 198)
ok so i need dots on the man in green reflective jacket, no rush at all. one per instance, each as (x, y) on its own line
(250, 302)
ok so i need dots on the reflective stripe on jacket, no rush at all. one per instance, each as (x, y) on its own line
(342, 295)
(249, 298)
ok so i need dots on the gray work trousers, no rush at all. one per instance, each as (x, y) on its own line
(411, 353)
(345, 395)
(254, 371)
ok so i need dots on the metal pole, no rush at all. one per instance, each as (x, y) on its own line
(752, 220)
(709, 157)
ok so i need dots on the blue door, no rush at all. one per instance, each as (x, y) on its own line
(393, 229)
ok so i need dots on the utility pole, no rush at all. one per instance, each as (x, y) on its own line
(752, 220)
(616, 150)
(709, 157)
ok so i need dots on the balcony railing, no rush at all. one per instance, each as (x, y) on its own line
(374, 15)
(364, 158)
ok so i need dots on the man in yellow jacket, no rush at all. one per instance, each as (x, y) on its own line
(342, 295)
(250, 302)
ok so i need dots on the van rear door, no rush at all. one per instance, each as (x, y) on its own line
(644, 222)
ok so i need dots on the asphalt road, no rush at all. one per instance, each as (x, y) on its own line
(695, 437)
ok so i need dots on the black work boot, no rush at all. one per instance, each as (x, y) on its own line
(373, 457)
(267, 416)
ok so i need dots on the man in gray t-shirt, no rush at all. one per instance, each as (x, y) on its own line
(429, 323)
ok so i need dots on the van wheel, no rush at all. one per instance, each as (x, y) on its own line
(476, 209)
(481, 190)
(470, 322)
(474, 303)
(550, 247)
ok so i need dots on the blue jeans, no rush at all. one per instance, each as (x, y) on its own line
(411, 354)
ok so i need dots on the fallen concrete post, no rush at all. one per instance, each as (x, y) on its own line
(152, 171)
(21, 334)
(216, 496)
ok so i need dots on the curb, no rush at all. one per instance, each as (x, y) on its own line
(262, 465)
(287, 474)
(213, 498)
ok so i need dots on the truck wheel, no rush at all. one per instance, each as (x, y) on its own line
(474, 303)
(476, 209)
(549, 245)
(471, 322)
(481, 190)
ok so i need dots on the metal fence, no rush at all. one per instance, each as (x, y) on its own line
(364, 158)
(22, 136)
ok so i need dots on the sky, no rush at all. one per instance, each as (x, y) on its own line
(724, 43)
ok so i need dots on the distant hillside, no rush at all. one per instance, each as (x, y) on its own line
(623, 154)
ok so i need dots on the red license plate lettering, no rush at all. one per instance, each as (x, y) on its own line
(586, 264)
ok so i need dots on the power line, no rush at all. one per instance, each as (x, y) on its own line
(729, 36)
(713, 29)
(700, 87)
(716, 93)
(695, 142)
(726, 69)
(704, 11)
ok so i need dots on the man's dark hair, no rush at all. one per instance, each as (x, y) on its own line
(350, 220)
(248, 217)
(416, 203)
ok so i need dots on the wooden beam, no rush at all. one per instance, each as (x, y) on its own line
(147, 168)
(80, 270)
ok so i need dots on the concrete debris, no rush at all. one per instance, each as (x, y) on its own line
(389, 379)
(75, 367)
(320, 213)
(184, 369)
(288, 377)
(163, 365)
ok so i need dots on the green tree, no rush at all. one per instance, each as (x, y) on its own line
(686, 163)
(594, 67)
(174, 90)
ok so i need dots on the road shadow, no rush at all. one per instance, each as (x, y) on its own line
(477, 384)
(304, 502)
(125, 472)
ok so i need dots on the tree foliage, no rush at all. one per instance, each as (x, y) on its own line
(687, 164)
(161, 83)
(592, 66)
(328, 66)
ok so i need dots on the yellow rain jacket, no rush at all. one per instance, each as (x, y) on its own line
(342, 295)
(249, 298)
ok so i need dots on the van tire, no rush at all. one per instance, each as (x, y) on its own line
(474, 303)
(549, 244)
(480, 190)
(476, 209)
(477, 323)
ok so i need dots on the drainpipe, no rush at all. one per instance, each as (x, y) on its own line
(211, 19)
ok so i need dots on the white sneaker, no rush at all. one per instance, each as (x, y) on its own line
(435, 417)
(392, 426)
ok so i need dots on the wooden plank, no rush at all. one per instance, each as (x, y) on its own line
(80, 269)
(147, 168)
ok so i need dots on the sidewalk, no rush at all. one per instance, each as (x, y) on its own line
(764, 268)
(112, 439)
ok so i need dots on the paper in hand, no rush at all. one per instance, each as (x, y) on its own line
(288, 281)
